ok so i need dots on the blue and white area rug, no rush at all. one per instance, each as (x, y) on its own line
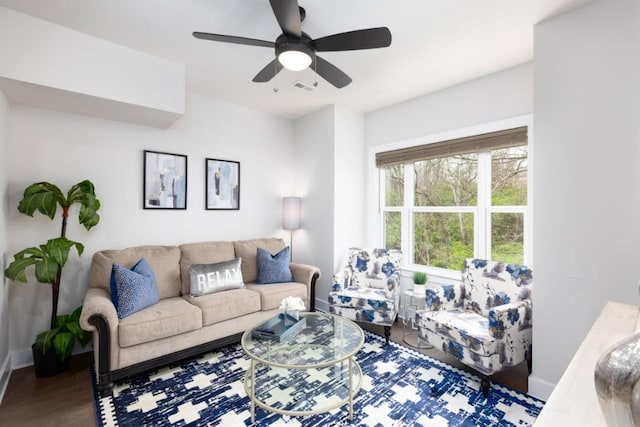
(400, 388)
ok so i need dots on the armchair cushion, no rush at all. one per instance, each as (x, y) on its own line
(368, 298)
(461, 326)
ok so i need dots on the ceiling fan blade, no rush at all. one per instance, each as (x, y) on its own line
(268, 72)
(370, 38)
(288, 16)
(330, 72)
(233, 39)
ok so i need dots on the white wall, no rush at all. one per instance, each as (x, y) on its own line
(329, 158)
(314, 182)
(72, 71)
(349, 185)
(500, 95)
(65, 148)
(587, 195)
(4, 284)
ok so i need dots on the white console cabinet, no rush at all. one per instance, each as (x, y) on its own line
(574, 401)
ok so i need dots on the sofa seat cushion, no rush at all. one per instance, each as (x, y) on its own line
(272, 295)
(220, 306)
(166, 318)
(465, 327)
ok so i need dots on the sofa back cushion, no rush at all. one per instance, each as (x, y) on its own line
(488, 284)
(163, 260)
(202, 253)
(248, 251)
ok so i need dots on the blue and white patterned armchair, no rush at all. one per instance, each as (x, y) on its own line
(485, 322)
(368, 288)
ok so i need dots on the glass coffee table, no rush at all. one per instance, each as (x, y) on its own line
(314, 371)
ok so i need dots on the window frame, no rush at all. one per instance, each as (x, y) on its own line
(482, 212)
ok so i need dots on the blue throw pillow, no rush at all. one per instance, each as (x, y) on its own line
(132, 290)
(140, 267)
(273, 268)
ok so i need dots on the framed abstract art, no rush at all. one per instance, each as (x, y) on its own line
(164, 180)
(222, 184)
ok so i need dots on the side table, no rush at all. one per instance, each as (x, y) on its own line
(412, 302)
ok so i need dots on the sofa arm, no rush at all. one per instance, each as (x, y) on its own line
(445, 297)
(308, 275)
(98, 301)
(100, 317)
(510, 319)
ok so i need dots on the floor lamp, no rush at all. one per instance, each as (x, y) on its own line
(291, 212)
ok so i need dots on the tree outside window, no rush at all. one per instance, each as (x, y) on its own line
(451, 216)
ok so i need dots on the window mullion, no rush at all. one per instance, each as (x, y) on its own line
(382, 191)
(483, 235)
(407, 213)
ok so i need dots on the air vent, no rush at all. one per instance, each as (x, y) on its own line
(304, 86)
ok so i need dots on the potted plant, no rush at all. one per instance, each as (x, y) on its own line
(52, 348)
(419, 282)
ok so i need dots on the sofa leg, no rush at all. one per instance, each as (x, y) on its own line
(105, 389)
(485, 384)
(387, 333)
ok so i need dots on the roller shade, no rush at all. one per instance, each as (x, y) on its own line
(469, 144)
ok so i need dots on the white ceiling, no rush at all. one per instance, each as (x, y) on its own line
(436, 43)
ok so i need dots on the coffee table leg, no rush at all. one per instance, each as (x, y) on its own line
(351, 388)
(252, 396)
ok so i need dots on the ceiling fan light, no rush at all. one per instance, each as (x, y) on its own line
(294, 60)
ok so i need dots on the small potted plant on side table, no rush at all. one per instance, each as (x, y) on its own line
(419, 282)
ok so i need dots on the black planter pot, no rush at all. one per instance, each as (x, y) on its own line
(48, 364)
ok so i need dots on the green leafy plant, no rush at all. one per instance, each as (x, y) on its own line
(419, 278)
(49, 259)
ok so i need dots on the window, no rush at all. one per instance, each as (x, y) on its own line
(466, 199)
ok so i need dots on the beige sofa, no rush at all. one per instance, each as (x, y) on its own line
(179, 325)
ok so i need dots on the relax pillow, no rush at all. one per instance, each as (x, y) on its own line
(132, 290)
(208, 278)
(274, 268)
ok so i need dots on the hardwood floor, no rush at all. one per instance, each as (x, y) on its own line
(67, 399)
(63, 400)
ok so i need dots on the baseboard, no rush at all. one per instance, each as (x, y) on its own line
(21, 359)
(24, 358)
(5, 375)
(322, 305)
(540, 388)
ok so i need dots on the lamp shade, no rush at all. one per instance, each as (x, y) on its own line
(291, 212)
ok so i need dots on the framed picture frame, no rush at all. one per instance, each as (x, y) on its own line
(222, 186)
(164, 180)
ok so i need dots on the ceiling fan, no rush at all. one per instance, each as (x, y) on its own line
(295, 50)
